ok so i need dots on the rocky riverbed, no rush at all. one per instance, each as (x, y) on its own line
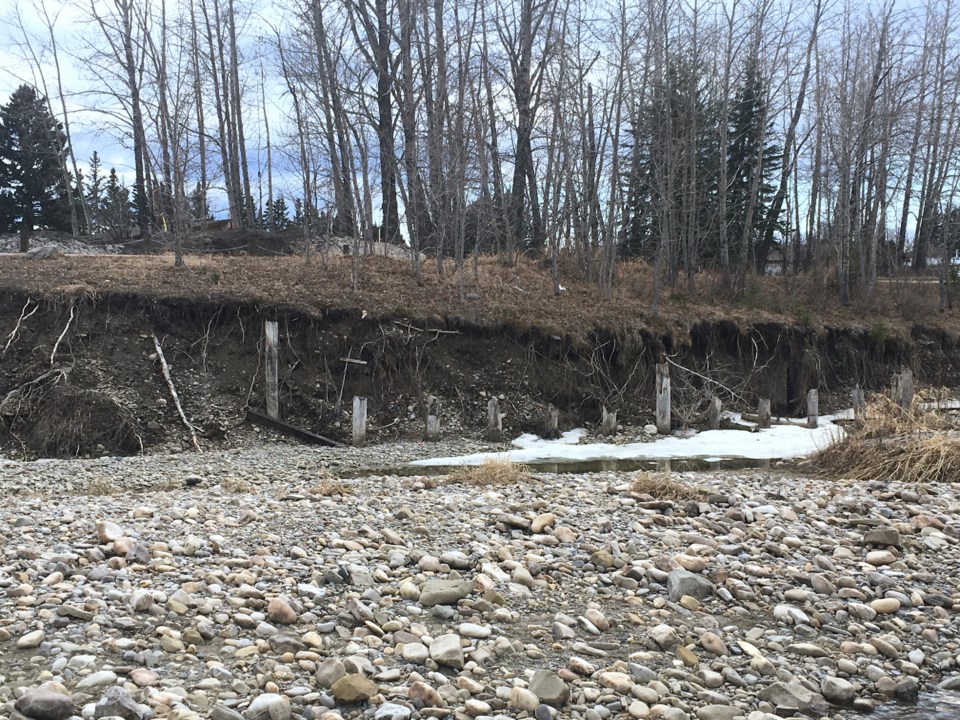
(256, 584)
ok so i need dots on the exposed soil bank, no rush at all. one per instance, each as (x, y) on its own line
(103, 392)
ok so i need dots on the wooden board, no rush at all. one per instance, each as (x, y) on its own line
(285, 428)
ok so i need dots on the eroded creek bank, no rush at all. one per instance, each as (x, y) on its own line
(79, 374)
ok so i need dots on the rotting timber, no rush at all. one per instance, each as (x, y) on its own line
(105, 369)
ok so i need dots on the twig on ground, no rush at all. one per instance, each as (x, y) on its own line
(173, 392)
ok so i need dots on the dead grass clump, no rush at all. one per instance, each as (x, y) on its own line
(934, 458)
(492, 473)
(662, 486)
(232, 485)
(883, 418)
(891, 443)
(328, 487)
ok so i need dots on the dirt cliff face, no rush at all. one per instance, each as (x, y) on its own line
(102, 391)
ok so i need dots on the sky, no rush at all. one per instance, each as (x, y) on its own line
(92, 130)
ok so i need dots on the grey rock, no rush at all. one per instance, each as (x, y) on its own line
(42, 704)
(549, 688)
(222, 712)
(837, 690)
(882, 537)
(446, 650)
(269, 706)
(682, 582)
(117, 702)
(444, 592)
(393, 711)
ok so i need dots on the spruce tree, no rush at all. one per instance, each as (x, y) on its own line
(94, 194)
(32, 151)
(116, 209)
(750, 151)
(279, 214)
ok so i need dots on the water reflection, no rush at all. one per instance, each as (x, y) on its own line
(582, 467)
(939, 705)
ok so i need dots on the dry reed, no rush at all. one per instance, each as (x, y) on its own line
(889, 443)
(662, 486)
(492, 473)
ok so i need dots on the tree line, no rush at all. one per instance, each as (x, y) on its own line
(740, 135)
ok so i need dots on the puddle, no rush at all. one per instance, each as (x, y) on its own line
(583, 467)
(939, 705)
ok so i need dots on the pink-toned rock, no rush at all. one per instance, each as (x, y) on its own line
(280, 612)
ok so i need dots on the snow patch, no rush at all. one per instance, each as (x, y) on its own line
(790, 440)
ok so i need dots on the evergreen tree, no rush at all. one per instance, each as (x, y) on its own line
(686, 161)
(116, 210)
(94, 194)
(751, 142)
(32, 151)
(280, 214)
(200, 205)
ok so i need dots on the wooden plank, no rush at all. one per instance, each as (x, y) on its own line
(285, 428)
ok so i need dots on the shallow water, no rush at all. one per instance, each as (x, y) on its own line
(938, 705)
(582, 467)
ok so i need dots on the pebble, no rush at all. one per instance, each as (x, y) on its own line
(250, 595)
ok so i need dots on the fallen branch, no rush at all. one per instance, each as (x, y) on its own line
(16, 328)
(173, 392)
(62, 335)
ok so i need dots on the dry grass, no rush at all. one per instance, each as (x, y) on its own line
(232, 485)
(492, 473)
(329, 487)
(892, 444)
(499, 296)
(662, 486)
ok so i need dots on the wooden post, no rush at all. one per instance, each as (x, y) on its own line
(494, 421)
(433, 418)
(663, 398)
(608, 422)
(813, 411)
(551, 419)
(859, 400)
(714, 412)
(905, 399)
(273, 373)
(763, 412)
(359, 421)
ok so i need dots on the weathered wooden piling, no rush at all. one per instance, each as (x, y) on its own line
(714, 413)
(813, 408)
(272, 335)
(433, 418)
(494, 431)
(663, 398)
(763, 412)
(859, 401)
(359, 421)
(551, 420)
(608, 422)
